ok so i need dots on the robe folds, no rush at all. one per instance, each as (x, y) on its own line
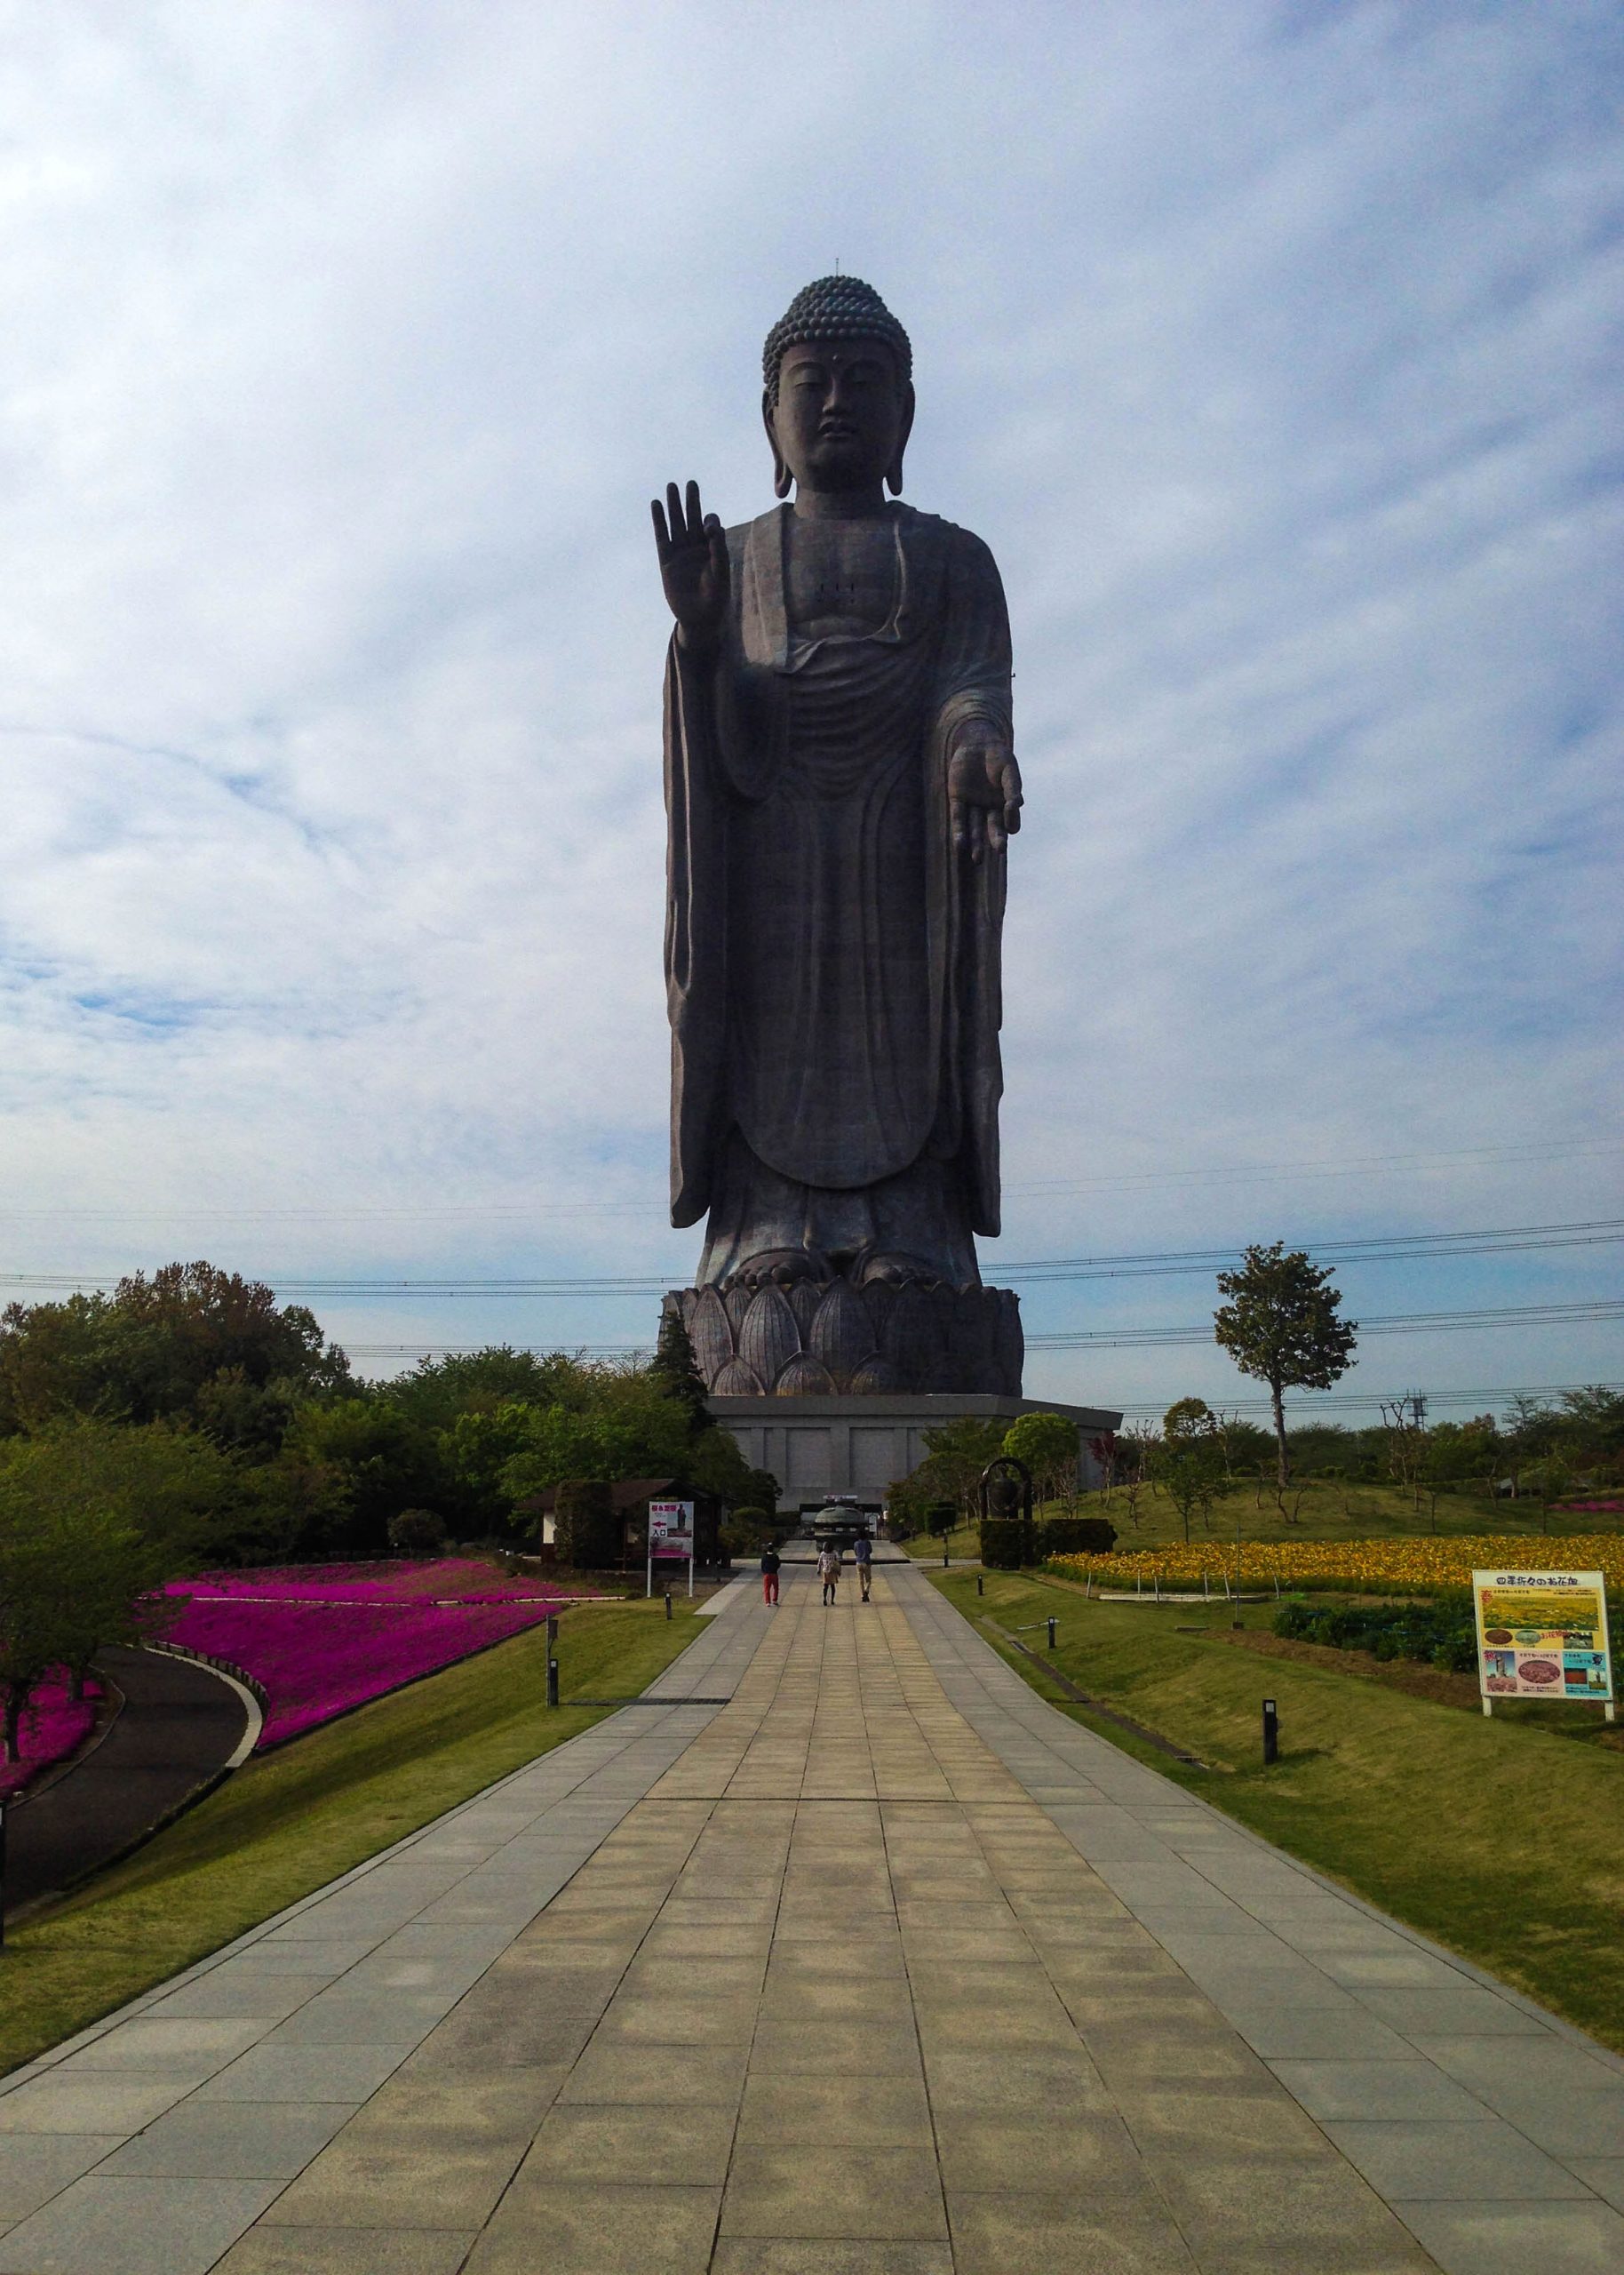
(832, 962)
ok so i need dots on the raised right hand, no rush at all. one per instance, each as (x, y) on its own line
(693, 567)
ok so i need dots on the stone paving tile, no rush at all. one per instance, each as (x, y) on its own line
(888, 2194)
(1406, 2088)
(35, 2167)
(1064, 2233)
(599, 2231)
(1250, 2217)
(347, 2251)
(1573, 2238)
(800, 2255)
(231, 2141)
(136, 2227)
(1432, 2159)
(1605, 2174)
(825, 2112)
(302, 2073)
(231, 1994)
(87, 2101)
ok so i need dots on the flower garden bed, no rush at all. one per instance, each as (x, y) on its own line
(325, 1639)
(1418, 1562)
(53, 1726)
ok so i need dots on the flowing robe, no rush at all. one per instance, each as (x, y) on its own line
(832, 962)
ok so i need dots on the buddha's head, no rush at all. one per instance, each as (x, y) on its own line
(839, 395)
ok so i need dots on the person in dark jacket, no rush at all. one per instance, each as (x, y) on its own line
(862, 1555)
(770, 1561)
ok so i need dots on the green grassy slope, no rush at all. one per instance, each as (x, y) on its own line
(1502, 1838)
(294, 1819)
(1329, 1510)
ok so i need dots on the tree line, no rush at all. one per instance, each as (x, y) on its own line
(188, 1421)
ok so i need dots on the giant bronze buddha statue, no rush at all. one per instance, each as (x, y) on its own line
(840, 785)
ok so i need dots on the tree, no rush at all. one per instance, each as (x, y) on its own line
(1530, 1435)
(1280, 1326)
(438, 1392)
(1189, 1463)
(675, 1371)
(384, 1461)
(1104, 1450)
(149, 1351)
(1047, 1445)
(1136, 1452)
(93, 1520)
(957, 1453)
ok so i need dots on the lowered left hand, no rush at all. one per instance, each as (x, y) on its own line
(984, 795)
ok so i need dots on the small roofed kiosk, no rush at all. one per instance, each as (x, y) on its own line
(629, 1498)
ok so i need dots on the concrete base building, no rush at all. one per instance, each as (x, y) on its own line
(815, 1447)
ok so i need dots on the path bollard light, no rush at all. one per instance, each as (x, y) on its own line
(1051, 1625)
(1271, 1733)
(668, 1603)
(980, 1586)
(552, 1659)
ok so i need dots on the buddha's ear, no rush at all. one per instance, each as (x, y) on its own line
(894, 472)
(783, 480)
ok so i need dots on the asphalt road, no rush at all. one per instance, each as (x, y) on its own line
(180, 1726)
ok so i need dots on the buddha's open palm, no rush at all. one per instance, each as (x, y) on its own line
(693, 566)
(984, 792)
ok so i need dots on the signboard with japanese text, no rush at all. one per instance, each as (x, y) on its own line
(1543, 1635)
(670, 1529)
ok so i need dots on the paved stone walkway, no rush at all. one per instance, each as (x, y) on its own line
(884, 1969)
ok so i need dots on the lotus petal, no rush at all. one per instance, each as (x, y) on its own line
(768, 1338)
(803, 1377)
(709, 1332)
(805, 1297)
(875, 1377)
(842, 1333)
(736, 1380)
(736, 1303)
(914, 1341)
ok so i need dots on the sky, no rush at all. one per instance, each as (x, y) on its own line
(1272, 350)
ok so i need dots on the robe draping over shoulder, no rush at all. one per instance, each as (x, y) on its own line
(833, 964)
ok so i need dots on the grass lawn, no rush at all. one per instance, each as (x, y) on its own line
(1329, 1510)
(292, 1820)
(1502, 1838)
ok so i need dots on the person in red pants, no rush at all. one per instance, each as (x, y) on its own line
(770, 1561)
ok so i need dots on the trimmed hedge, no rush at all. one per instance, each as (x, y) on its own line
(1076, 1537)
(1006, 1543)
(586, 1533)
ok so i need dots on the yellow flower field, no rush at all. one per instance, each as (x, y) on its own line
(1412, 1563)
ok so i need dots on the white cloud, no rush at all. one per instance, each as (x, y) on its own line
(1268, 347)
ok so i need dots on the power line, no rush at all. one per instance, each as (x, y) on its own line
(1357, 1165)
(1389, 1248)
(1127, 1338)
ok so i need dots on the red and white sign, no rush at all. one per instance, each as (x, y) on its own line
(671, 1528)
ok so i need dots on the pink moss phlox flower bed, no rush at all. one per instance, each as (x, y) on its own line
(465, 1577)
(322, 1639)
(52, 1725)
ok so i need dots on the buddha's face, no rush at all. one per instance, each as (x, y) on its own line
(842, 414)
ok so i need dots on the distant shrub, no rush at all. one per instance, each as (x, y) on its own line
(417, 1532)
(1438, 1632)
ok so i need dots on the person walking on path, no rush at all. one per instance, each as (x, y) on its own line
(862, 1556)
(828, 1571)
(770, 1561)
